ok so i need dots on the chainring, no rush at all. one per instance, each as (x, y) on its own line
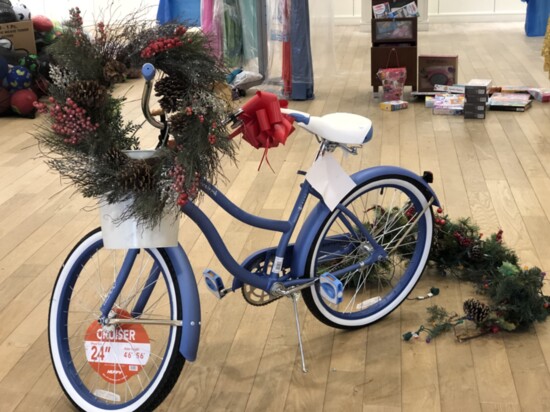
(256, 296)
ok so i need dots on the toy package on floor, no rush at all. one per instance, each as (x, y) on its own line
(450, 104)
(394, 105)
(393, 82)
(540, 95)
(510, 102)
(440, 99)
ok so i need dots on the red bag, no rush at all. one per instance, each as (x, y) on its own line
(263, 124)
(393, 80)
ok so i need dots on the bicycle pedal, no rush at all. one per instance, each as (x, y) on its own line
(331, 288)
(214, 283)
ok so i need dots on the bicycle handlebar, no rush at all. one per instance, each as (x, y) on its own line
(149, 71)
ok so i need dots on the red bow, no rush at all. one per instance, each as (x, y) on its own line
(263, 124)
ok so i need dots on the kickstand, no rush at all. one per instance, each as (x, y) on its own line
(294, 297)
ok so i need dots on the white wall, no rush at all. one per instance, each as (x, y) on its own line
(441, 7)
(59, 9)
(348, 11)
(346, 8)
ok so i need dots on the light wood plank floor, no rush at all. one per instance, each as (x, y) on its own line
(497, 171)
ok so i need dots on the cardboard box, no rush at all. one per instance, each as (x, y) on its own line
(394, 105)
(453, 110)
(475, 90)
(474, 107)
(477, 98)
(472, 115)
(21, 35)
(432, 70)
(455, 88)
(480, 82)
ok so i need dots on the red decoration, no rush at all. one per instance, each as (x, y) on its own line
(68, 120)
(263, 123)
(22, 101)
(160, 45)
(42, 24)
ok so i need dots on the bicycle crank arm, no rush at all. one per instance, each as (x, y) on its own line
(279, 289)
(119, 321)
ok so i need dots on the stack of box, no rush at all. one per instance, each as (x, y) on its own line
(475, 106)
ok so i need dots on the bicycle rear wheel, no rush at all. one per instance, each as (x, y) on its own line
(123, 367)
(395, 210)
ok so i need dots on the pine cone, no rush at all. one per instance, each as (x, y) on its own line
(114, 72)
(179, 122)
(115, 158)
(170, 90)
(476, 253)
(88, 94)
(476, 311)
(137, 176)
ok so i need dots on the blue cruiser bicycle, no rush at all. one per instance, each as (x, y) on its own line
(123, 322)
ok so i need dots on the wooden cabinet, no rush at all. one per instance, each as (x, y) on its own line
(399, 34)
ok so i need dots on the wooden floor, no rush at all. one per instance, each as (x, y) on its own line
(496, 171)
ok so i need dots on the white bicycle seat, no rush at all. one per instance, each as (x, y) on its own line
(345, 128)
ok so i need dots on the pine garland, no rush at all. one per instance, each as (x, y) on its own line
(84, 134)
(513, 294)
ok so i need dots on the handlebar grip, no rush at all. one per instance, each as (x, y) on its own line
(148, 71)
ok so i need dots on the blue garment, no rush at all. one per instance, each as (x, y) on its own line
(302, 66)
(536, 19)
(183, 11)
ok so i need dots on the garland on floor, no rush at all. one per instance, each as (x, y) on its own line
(511, 296)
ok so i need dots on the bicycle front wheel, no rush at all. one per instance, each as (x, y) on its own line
(396, 212)
(125, 366)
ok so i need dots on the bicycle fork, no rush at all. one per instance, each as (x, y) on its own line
(107, 306)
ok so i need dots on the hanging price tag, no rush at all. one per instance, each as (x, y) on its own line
(328, 178)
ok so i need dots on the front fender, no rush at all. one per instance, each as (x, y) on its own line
(318, 215)
(191, 309)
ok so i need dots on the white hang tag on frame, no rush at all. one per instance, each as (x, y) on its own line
(328, 178)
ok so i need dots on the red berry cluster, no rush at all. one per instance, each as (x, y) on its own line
(212, 136)
(69, 120)
(160, 45)
(75, 17)
(101, 33)
(76, 23)
(178, 176)
(439, 220)
(180, 31)
(462, 240)
(177, 173)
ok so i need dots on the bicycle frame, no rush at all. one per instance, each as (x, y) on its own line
(293, 256)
